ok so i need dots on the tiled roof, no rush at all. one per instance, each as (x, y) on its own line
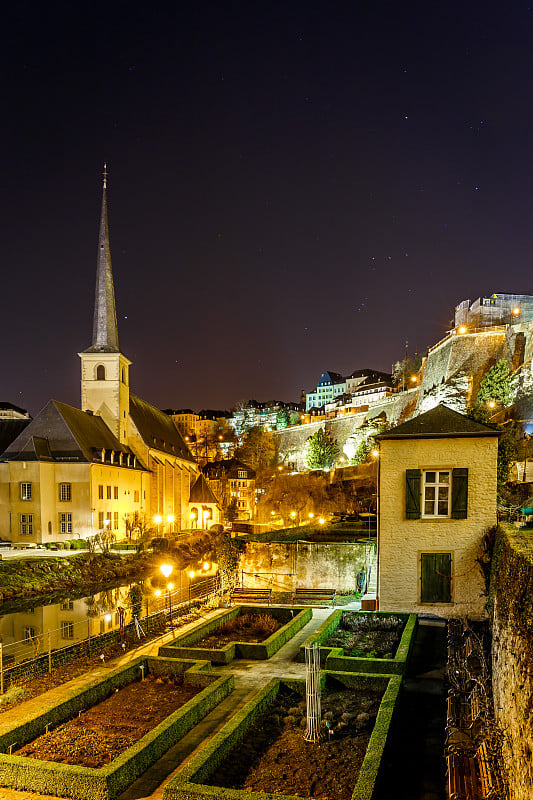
(157, 429)
(201, 492)
(226, 469)
(441, 421)
(63, 433)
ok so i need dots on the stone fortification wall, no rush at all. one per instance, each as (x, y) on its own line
(512, 655)
(284, 566)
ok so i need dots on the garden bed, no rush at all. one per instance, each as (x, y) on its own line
(189, 645)
(356, 641)
(261, 751)
(100, 733)
(244, 628)
(72, 778)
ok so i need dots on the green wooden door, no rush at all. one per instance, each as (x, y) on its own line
(436, 578)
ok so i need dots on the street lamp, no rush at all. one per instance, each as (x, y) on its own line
(158, 520)
(166, 570)
(170, 520)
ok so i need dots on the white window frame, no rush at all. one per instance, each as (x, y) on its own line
(436, 485)
(65, 522)
(25, 490)
(65, 492)
(26, 524)
(67, 630)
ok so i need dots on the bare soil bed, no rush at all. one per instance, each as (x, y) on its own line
(275, 757)
(102, 732)
(245, 628)
(27, 686)
(367, 637)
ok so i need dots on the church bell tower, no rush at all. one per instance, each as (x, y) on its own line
(104, 369)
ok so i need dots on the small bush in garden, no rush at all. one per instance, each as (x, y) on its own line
(60, 545)
(265, 624)
(13, 695)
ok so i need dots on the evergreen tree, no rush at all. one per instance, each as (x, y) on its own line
(283, 419)
(496, 385)
(322, 450)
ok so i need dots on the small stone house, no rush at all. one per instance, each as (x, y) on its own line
(437, 497)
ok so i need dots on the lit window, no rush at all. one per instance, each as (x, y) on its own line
(108, 488)
(100, 492)
(65, 492)
(436, 493)
(241, 473)
(67, 630)
(65, 523)
(26, 524)
(25, 491)
(67, 605)
(115, 492)
(100, 520)
(115, 520)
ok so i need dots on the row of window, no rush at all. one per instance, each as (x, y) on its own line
(111, 493)
(105, 520)
(239, 483)
(26, 524)
(64, 492)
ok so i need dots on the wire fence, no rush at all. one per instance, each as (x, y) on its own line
(71, 637)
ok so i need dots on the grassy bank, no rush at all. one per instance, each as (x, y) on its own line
(42, 576)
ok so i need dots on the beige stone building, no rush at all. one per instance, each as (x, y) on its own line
(71, 473)
(437, 497)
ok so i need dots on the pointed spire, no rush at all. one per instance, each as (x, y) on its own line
(105, 331)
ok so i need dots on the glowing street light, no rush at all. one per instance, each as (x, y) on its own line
(321, 520)
(516, 311)
(492, 404)
(462, 329)
(166, 569)
(375, 453)
(206, 566)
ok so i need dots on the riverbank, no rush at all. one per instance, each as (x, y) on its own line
(82, 573)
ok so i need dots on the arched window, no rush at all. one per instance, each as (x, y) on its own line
(100, 372)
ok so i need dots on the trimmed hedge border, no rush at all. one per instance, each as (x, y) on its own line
(181, 646)
(188, 784)
(84, 783)
(333, 658)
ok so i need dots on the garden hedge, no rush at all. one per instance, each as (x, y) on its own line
(333, 658)
(188, 783)
(84, 783)
(294, 619)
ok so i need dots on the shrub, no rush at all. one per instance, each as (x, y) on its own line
(60, 545)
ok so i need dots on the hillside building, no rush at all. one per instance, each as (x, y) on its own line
(498, 309)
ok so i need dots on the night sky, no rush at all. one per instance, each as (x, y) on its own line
(293, 187)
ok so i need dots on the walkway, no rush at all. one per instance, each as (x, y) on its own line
(249, 676)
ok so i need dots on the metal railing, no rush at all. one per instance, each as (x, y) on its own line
(39, 653)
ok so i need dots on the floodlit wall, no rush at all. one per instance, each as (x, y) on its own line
(402, 541)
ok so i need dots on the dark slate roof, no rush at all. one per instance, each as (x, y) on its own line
(13, 407)
(10, 429)
(157, 429)
(441, 421)
(330, 377)
(214, 470)
(63, 433)
(201, 492)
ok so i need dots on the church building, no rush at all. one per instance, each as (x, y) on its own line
(72, 473)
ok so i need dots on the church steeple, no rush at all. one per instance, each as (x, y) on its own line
(105, 331)
(104, 369)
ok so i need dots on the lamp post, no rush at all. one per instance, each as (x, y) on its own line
(166, 569)
(158, 520)
(170, 520)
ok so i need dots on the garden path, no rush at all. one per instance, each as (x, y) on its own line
(249, 676)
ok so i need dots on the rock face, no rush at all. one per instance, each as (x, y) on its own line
(513, 703)
(512, 655)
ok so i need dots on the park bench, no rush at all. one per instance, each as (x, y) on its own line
(243, 594)
(314, 595)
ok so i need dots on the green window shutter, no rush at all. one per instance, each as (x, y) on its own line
(459, 493)
(436, 579)
(413, 478)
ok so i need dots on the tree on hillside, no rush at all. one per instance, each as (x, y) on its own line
(497, 385)
(402, 371)
(258, 448)
(321, 450)
(283, 419)
(294, 497)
